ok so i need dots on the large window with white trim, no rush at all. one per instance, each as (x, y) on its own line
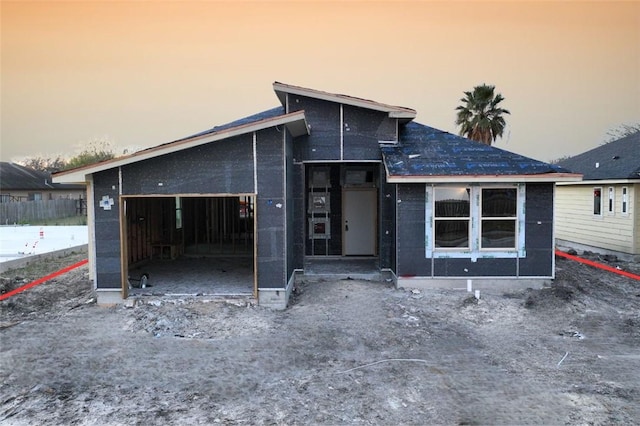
(475, 221)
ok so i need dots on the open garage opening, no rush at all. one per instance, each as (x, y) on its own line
(189, 245)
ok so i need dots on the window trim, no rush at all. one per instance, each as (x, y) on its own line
(624, 204)
(611, 200)
(597, 215)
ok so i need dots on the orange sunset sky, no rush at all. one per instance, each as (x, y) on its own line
(145, 73)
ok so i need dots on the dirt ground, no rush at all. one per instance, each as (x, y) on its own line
(344, 352)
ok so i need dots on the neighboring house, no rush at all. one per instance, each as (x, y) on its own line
(324, 176)
(19, 183)
(602, 212)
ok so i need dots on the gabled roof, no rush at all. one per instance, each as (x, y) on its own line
(282, 90)
(427, 155)
(295, 122)
(619, 159)
(16, 177)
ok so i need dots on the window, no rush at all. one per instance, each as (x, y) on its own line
(610, 200)
(452, 217)
(498, 218)
(625, 200)
(597, 201)
(475, 221)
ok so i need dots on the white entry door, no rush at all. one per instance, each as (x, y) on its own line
(359, 217)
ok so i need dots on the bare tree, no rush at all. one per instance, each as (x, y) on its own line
(44, 164)
(93, 151)
(622, 131)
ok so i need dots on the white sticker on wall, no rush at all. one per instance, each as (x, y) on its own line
(106, 202)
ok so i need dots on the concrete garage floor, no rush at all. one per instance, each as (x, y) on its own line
(195, 276)
(233, 275)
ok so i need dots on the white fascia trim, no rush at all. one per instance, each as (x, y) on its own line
(254, 150)
(402, 114)
(80, 175)
(393, 111)
(484, 178)
(602, 182)
(341, 132)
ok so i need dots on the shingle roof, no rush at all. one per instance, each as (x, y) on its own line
(16, 177)
(423, 151)
(619, 159)
(270, 113)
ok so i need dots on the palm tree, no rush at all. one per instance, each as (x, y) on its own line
(480, 117)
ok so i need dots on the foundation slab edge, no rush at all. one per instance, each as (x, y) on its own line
(425, 283)
(109, 297)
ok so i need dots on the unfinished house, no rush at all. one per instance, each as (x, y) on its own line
(322, 184)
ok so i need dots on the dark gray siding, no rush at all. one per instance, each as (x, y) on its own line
(299, 214)
(538, 231)
(293, 260)
(387, 223)
(270, 210)
(323, 144)
(411, 228)
(363, 129)
(221, 167)
(107, 228)
(480, 268)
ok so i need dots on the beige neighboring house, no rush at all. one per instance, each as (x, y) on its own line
(602, 212)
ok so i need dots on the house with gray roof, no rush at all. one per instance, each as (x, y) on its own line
(323, 184)
(602, 212)
(20, 183)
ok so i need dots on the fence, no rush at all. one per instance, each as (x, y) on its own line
(27, 211)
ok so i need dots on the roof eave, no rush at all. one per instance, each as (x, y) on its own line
(295, 122)
(543, 177)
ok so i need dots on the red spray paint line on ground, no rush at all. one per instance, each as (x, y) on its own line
(42, 280)
(597, 265)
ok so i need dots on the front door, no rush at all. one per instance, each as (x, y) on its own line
(359, 218)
